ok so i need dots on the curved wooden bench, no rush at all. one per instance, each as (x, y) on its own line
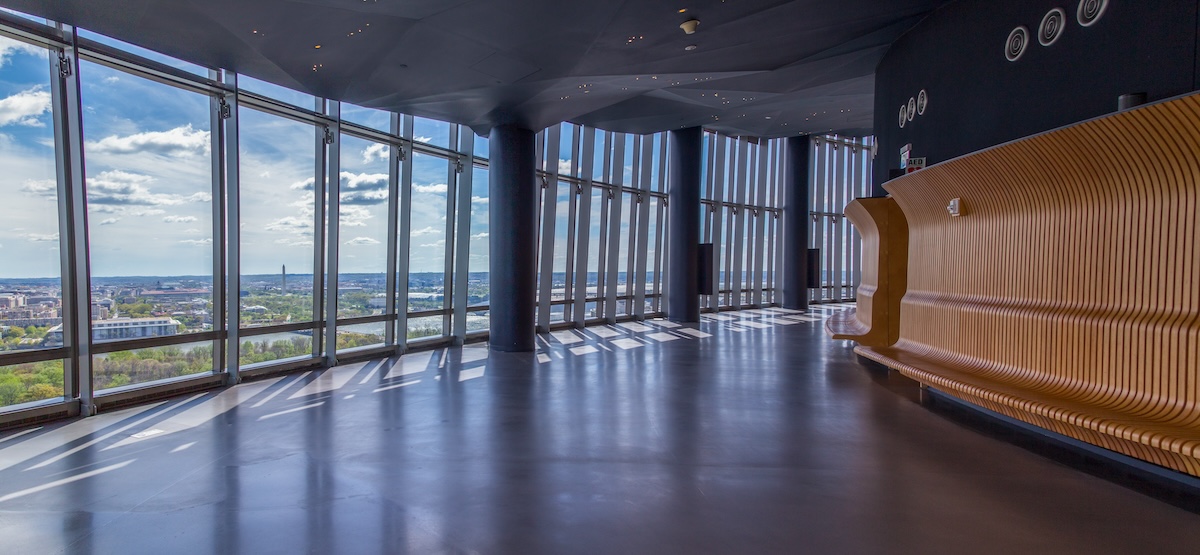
(875, 321)
(1068, 294)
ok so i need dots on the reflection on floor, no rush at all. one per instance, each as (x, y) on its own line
(749, 433)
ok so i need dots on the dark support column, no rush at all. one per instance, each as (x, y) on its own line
(513, 238)
(796, 199)
(683, 291)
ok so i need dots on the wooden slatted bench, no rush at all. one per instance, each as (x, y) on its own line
(1068, 293)
(875, 321)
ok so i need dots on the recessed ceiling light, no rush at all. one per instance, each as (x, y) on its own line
(317, 46)
(690, 47)
(682, 10)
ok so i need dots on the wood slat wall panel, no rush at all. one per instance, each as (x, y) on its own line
(1067, 295)
(875, 322)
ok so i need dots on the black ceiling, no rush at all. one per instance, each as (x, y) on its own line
(765, 68)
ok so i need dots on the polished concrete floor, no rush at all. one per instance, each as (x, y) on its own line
(750, 433)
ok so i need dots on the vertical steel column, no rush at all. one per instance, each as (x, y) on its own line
(796, 222)
(395, 158)
(462, 255)
(513, 256)
(781, 169)
(736, 277)
(716, 227)
(645, 170)
(67, 112)
(606, 197)
(226, 120)
(333, 191)
(819, 185)
(404, 125)
(553, 137)
(833, 255)
(683, 300)
(760, 219)
(451, 235)
(583, 226)
(320, 134)
(661, 248)
(616, 196)
(570, 276)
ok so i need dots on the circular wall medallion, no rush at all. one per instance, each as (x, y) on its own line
(912, 108)
(903, 115)
(1018, 41)
(1052, 26)
(1090, 11)
(922, 102)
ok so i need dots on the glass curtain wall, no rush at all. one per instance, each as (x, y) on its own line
(228, 226)
(600, 256)
(741, 206)
(841, 169)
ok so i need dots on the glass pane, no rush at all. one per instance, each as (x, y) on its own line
(276, 347)
(427, 252)
(142, 366)
(602, 146)
(478, 321)
(276, 92)
(479, 286)
(145, 53)
(592, 276)
(559, 289)
(431, 131)
(360, 335)
(424, 327)
(26, 383)
(370, 117)
(362, 256)
(278, 164)
(481, 143)
(149, 186)
(566, 148)
(30, 267)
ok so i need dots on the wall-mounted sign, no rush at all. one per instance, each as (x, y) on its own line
(914, 164)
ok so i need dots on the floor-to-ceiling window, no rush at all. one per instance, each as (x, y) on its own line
(171, 223)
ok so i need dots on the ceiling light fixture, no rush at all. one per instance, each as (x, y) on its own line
(690, 47)
(689, 26)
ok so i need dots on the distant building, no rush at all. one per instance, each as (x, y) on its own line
(10, 301)
(120, 328)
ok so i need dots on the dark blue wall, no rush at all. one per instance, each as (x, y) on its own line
(977, 98)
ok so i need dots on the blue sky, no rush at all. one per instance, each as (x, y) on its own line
(147, 152)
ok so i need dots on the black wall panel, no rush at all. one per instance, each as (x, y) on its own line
(977, 98)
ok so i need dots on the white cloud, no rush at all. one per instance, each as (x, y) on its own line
(439, 188)
(483, 235)
(41, 187)
(193, 231)
(292, 224)
(421, 139)
(377, 151)
(354, 216)
(111, 79)
(438, 243)
(362, 241)
(116, 187)
(180, 141)
(427, 230)
(40, 237)
(356, 188)
(265, 174)
(179, 219)
(8, 47)
(109, 221)
(25, 107)
(197, 241)
(564, 167)
(479, 200)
